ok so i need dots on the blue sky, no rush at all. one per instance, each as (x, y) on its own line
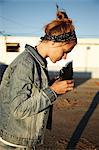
(28, 17)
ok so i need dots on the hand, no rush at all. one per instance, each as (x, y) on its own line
(61, 87)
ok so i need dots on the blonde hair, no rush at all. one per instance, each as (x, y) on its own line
(62, 24)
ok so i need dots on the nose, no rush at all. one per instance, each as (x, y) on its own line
(64, 56)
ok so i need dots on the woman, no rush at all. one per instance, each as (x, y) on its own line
(26, 96)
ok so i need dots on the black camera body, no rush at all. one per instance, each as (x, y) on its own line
(66, 73)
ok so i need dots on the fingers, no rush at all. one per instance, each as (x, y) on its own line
(70, 85)
(67, 85)
(69, 88)
(70, 81)
(61, 87)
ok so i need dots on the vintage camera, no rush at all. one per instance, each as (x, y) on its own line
(66, 73)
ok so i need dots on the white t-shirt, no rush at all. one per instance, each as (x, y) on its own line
(10, 144)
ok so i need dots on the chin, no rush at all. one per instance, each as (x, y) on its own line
(54, 61)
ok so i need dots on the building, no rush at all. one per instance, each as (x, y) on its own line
(85, 55)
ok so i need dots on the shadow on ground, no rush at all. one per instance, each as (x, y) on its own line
(83, 123)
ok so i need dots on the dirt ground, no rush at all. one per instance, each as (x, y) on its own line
(75, 119)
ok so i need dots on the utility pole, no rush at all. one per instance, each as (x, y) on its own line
(4, 35)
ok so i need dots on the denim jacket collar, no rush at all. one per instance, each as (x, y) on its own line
(42, 61)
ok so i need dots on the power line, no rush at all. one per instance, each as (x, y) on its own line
(13, 21)
(35, 29)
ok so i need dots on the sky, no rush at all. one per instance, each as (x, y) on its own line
(28, 17)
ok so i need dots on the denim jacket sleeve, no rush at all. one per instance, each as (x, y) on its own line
(26, 98)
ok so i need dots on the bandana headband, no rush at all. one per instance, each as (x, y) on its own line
(65, 37)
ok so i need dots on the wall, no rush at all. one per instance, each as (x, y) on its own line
(7, 57)
(85, 55)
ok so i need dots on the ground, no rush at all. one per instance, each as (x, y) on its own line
(75, 119)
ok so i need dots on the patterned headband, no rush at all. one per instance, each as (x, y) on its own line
(65, 37)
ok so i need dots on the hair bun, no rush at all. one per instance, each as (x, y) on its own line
(61, 15)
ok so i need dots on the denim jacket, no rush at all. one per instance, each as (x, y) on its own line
(25, 99)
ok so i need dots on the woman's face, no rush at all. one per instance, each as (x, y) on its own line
(59, 51)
